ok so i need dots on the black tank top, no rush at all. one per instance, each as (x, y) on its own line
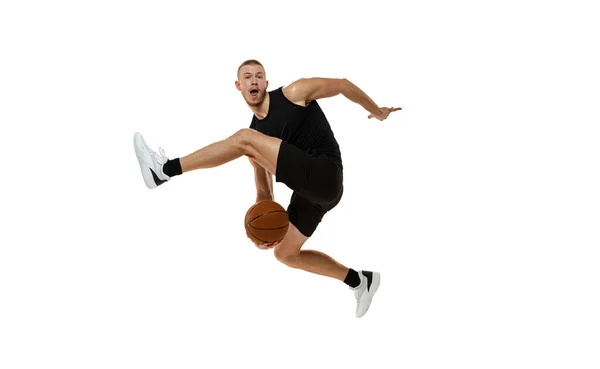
(304, 127)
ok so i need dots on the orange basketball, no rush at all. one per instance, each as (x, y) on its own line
(266, 222)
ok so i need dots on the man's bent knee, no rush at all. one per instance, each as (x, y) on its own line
(243, 138)
(288, 258)
(247, 139)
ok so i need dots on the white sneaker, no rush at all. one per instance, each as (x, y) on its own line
(151, 163)
(369, 283)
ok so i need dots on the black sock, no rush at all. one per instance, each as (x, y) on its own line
(352, 279)
(172, 167)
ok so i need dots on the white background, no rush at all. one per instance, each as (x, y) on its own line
(478, 202)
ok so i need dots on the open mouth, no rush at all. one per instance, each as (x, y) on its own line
(254, 92)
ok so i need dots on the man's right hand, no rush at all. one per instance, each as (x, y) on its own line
(267, 246)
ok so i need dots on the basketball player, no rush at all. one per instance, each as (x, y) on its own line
(290, 138)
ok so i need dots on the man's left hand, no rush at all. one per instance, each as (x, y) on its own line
(383, 113)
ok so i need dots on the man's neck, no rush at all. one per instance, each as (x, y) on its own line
(261, 111)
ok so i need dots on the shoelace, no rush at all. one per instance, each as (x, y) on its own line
(357, 295)
(158, 157)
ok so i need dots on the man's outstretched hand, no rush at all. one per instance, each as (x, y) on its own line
(384, 112)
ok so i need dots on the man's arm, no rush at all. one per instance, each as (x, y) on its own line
(264, 182)
(306, 89)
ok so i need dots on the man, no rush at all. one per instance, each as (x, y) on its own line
(290, 138)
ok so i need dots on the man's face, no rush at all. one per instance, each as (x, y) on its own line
(252, 83)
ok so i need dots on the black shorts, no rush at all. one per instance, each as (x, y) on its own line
(317, 183)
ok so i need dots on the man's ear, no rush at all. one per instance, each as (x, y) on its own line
(237, 85)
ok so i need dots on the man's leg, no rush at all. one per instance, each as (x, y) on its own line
(261, 148)
(157, 168)
(289, 253)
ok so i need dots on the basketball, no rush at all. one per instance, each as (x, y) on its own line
(266, 222)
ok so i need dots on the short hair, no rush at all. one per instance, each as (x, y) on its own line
(249, 62)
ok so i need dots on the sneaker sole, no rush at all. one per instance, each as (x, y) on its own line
(374, 288)
(138, 145)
